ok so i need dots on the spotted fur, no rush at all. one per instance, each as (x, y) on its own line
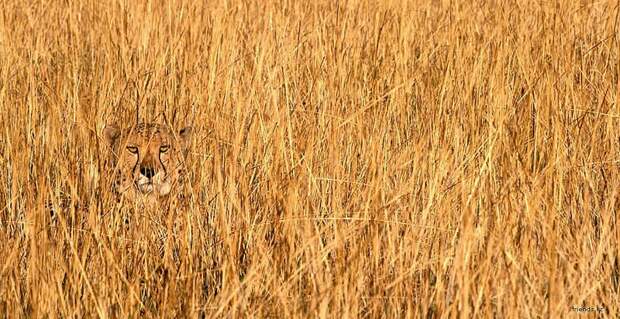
(149, 160)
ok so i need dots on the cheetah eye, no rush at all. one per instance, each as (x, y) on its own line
(132, 149)
(164, 148)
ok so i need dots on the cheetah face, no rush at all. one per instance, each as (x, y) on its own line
(150, 159)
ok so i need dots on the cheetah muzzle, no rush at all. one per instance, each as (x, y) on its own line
(149, 160)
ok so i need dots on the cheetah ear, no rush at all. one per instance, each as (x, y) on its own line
(185, 133)
(111, 133)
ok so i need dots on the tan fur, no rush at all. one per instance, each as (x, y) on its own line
(149, 160)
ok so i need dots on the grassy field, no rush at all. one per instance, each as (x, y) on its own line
(424, 159)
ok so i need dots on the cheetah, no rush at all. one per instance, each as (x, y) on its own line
(148, 160)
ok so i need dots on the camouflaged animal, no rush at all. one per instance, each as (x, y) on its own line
(149, 160)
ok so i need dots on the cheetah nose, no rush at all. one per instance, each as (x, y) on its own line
(148, 172)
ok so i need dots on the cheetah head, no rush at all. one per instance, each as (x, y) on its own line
(149, 159)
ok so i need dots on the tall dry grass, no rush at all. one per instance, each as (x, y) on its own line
(350, 158)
